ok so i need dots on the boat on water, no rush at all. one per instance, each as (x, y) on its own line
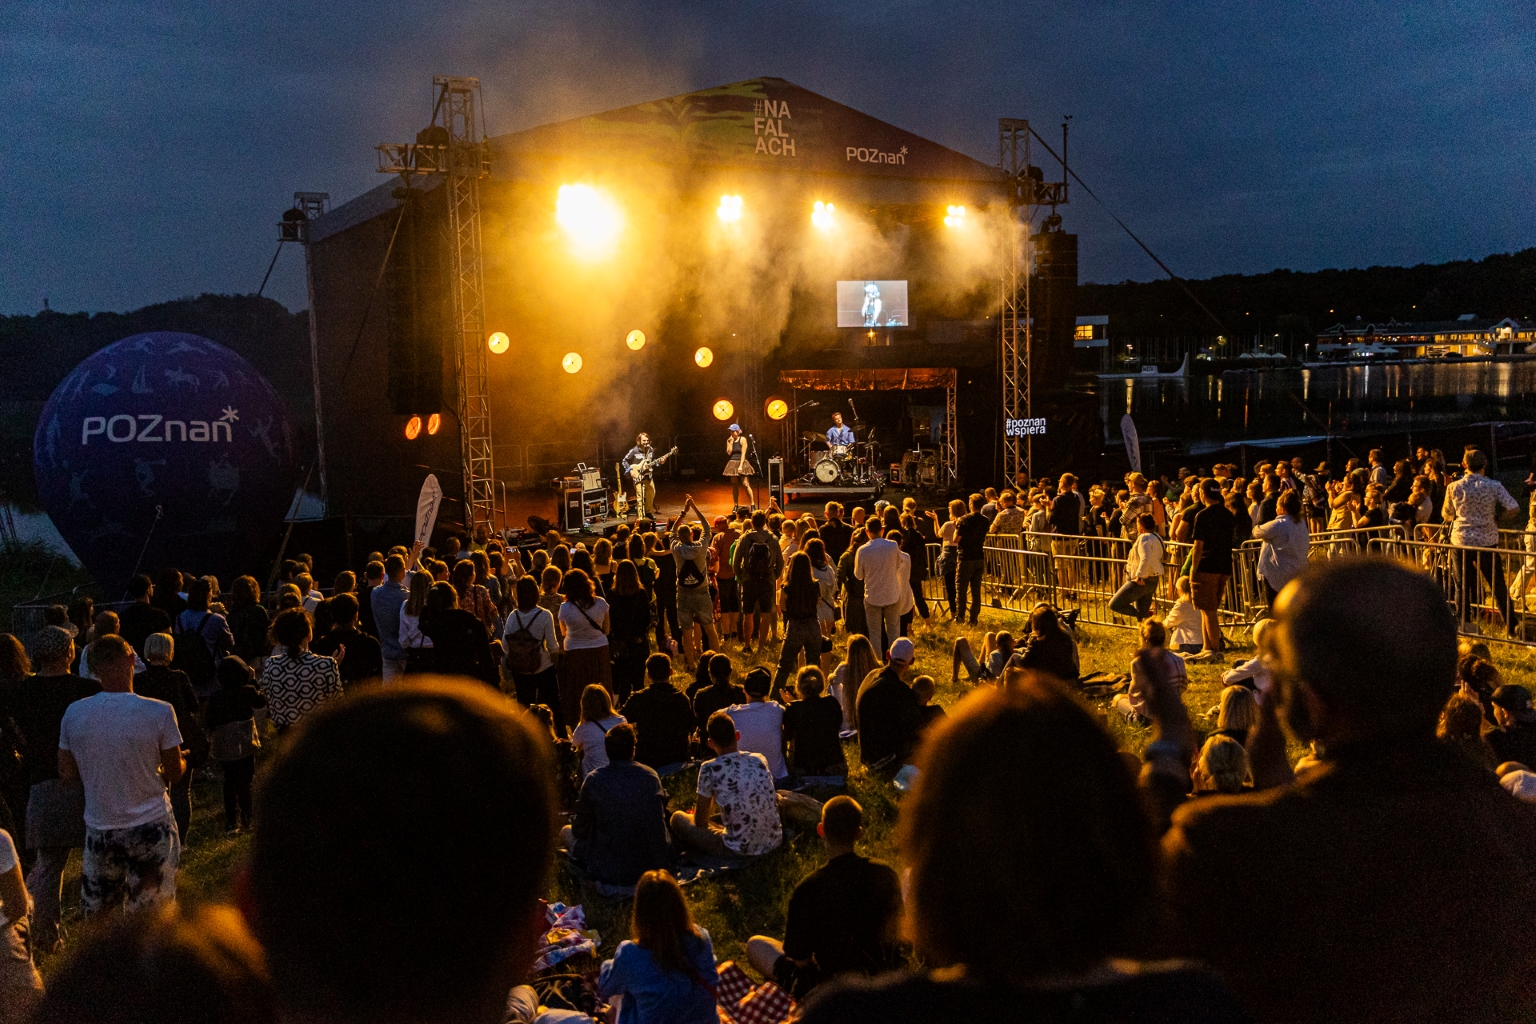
(1150, 373)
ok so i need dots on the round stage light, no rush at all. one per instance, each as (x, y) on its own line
(955, 217)
(572, 362)
(589, 217)
(821, 215)
(499, 342)
(729, 209)
(635, 340)
(776, 408)
(413, 428)
(724, 410)
(703, 357)
(434, 423)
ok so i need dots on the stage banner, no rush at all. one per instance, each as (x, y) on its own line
(427, 504)
(1132, 442)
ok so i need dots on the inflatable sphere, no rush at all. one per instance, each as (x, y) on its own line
(165, 449)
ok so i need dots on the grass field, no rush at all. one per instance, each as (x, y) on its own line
(753, 900)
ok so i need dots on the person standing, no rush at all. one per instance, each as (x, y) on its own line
(695, 606)
(644, 482)
(386, 600)
(21, 987)
(141, 618)
(1286, 541)
(55, 806)
(1211, 563)
(125, 749)
(233, 738)
(460, 644)
(364, 663)
(738, 466)
(630, 640)
(159, 681)
(584, 622)
(799, 601)
(1473, 507)
(248, 621)
(721, 546)
(758, 563)
(887, 581)
(295, 680)
(531, 646)
(971, 539)
(835, 533)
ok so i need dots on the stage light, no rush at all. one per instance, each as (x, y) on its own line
(413, 428)
(434, 423)
(776, 408)
(703, 357)
(635, 340)
(955, 218)
(571, 362)
(724, 410)
(821, 215)
(591, 218)
(729, 210)
(499, 342)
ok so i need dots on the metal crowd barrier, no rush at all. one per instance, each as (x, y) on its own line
(1470, 578)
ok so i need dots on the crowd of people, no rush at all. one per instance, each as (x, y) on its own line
(502, 702)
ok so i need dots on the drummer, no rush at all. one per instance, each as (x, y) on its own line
(839, 434)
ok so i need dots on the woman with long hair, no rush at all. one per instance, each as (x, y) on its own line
(474, 598)
(825, 574)
(597, 717)
(859, 663)
(295, 680)
(604, 565)
(531, 645)
(460, 644)
(802, 630)
(666, 974)
(916, 547)
(630, 608)
(1286, 541)
(851, 587)
(416, 644)
(584, 623)
(248, 621)
(213, 628)
(1049, 646)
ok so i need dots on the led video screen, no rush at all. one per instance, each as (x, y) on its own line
(872, 304)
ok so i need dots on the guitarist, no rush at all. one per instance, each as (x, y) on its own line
(645, 487)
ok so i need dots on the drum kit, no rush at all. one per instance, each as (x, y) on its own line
(839, 464)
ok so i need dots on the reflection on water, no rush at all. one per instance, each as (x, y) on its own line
(1354, 399)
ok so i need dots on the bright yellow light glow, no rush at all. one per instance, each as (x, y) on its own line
(724, 410)
(703, 357)
(590, 218)
(434, 423)
(413, 428)
(571, 362)
(776, 408)
(635, 340)
(729, 209)
(499, 342)
(821, 215)
(955, 218)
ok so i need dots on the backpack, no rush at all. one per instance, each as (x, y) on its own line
(688, 574)
(759, 564)
(524, 650)
(192, 655)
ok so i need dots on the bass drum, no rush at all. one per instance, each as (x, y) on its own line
(826, 472)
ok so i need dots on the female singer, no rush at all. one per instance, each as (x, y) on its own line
(739, 467)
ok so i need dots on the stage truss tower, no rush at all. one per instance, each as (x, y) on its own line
(455, 147)
(1013, 158)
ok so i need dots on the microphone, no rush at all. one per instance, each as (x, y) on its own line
(810, 405)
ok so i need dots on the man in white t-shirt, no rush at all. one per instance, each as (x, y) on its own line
(760, 723)
(20, 985)
(738, 785)
(126, 749)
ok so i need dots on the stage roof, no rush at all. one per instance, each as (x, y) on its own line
(762, 125)
(903, 378)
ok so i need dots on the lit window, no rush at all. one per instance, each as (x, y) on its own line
(1084, 332)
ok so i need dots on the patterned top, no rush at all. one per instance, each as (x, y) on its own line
(743, 787)
(1009, 520)
(1472, 508)
(295, 688)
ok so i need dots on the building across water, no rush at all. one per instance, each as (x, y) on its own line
(1467, 335)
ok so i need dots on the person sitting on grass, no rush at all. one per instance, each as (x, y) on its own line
(741, 787)
(996, 650)
(811, 726)
(1514, 738)
(597, 717)
(760, 723)
(1222, 767)
(666, 973)
(619, 830)
(888, 713)
(843, 918)
(1133, 703)
(1023, 812)
(1183, 623)
(1236, 714)
(923, 688)
(1049, 646)
(662, 717)
(720, 694)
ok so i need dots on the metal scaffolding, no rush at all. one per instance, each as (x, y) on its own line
(294, 227)
(1016, 333)
(455, 147)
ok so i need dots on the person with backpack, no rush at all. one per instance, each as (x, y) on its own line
(759, 562)
(690, 554)
(202, 639)
(531, 647)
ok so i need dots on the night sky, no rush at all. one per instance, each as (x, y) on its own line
(150, 147)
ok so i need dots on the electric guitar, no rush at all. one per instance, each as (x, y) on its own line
(642, 470)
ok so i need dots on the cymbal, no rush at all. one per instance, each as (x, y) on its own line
(812, 435)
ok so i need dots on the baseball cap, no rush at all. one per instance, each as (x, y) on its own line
(902, 650)
(1511, 697)
(736, 427)
(719, 522)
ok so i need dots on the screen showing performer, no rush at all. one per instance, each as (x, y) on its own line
(738, 466)
(839, 434)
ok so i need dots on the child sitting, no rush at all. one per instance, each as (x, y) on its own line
(1133, 703)
(929, 712)
(1182, 623)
